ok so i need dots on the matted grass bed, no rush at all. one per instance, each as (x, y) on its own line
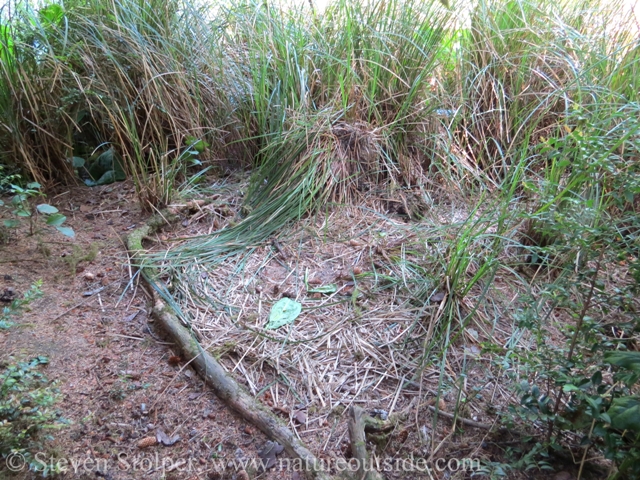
(372, 288)
(386, 323)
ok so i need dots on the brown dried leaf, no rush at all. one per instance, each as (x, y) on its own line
(268, 454)
(437, 297)
(130, 374)
(242, 475)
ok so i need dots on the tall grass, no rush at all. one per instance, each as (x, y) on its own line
(537, 99)
(138, 76)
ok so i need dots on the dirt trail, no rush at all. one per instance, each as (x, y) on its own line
(119, 380)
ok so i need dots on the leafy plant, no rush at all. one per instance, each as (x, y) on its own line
(22, 209)
(578, 233)
(7, 177)
(19, 304)
(26, 399)
(26, 413)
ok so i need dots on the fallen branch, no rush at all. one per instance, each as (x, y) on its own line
(228, 390)
(358, 420)
(464, 421)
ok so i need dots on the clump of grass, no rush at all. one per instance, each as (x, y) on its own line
(81, 254)
(141, 76)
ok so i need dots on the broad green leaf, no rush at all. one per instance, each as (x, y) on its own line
(51, 14)
(625, 413)
(197, 144)
(628, 360)
(1, 203)
(18, 199)
(331, 288)
(629, 196)
(4, 325)
(34, 186)
(11, 223)
(283, 311)
(21, 212)
(47, 209)
(68, 231)
(77, 162)
(56, 219)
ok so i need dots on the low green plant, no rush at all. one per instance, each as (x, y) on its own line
(605, 414)
(26, 399)
(26, 413)
(80, 254)
(7, 177)
(21, 208)
(19, 304)
(584, 224)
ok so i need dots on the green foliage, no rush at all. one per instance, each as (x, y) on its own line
(104, 169)
(26, 412)
(22, 209)
(584, 220)
(80, 254)
(7, 177)
(26, 398)
(19, 304)
(532, 107)
(606, 414)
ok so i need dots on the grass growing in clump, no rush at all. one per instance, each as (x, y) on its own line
(139, 76)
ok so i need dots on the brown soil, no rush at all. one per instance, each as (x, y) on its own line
(119, 380)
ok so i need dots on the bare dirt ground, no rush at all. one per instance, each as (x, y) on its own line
(120, 381)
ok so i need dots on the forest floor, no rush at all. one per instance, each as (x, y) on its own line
(121, 382)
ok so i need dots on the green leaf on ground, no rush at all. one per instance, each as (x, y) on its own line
(331, 288)
(283, 311)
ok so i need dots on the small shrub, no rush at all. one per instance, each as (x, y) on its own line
(22, 209)
(26, 411)
(18, 304)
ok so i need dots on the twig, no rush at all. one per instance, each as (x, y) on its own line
(465, 421)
